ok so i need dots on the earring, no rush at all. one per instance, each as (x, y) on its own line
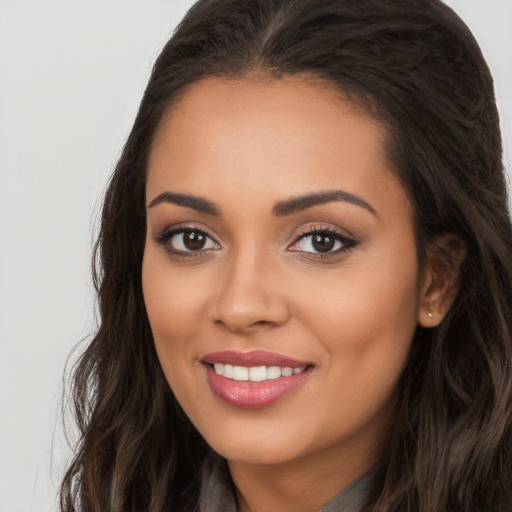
(430, 315)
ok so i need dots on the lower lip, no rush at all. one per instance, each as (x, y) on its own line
(247, 394)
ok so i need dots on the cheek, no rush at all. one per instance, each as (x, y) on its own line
(366, 327)
(171, 304)
(173, 309)
(366, 318)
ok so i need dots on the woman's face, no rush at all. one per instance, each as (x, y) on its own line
(280, 249)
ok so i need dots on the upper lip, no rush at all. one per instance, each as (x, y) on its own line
(253, 358)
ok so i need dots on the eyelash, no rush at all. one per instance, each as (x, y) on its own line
(167, 234)
(347, 242)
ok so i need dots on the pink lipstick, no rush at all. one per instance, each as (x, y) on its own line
(254, 379)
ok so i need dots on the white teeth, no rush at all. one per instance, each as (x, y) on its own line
(273, 372)
(240, 373)
(255, 373)
(227, 371)
(287, 371)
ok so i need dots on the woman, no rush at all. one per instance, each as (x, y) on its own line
(304, 272)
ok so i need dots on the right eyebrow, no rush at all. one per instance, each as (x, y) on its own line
(296, 204)
(195, 202)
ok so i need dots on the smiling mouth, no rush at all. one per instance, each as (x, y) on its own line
(256, 379)
(255, 373)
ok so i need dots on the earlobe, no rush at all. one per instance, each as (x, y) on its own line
(440, 282)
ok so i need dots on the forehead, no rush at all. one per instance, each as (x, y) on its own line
(262, 136)
(290, 100)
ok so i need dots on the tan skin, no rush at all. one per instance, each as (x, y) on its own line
(349, 301)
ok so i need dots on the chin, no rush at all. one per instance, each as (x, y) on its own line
(257, 454)
(259, 446)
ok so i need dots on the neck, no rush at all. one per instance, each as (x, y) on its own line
(302, 485)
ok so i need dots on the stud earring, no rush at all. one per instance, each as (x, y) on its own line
(430, 315)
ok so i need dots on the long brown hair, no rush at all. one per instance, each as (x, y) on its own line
(415, 66)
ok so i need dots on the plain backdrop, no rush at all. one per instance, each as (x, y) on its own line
(71, 76)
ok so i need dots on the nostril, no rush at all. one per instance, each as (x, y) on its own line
(240, 310)
(262, 322)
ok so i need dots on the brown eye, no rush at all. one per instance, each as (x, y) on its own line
(323, 242)
(194, 241)
(187, 241)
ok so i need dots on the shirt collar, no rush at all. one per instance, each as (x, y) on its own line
(217, 492)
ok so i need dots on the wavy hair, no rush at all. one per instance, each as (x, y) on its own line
(414, 66)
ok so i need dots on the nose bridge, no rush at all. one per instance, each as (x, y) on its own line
(249, 294)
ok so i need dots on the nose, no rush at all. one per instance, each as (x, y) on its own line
(250, 296)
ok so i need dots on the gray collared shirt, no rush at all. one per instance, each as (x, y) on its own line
(217, 491)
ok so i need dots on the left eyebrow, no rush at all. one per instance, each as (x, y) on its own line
(304, 202)
(189, 201)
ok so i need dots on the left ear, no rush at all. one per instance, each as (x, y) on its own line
(444, 257)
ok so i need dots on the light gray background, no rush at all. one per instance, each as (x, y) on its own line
(71, 76)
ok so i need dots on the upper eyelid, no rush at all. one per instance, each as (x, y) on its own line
(311, 230)
(180, 228)
(302, 232)
(343, 236)
(165, 235)
(345, 240)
